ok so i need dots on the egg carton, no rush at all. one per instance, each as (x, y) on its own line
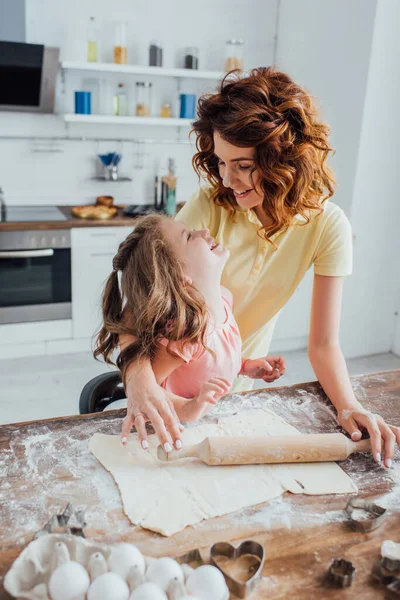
(31, 573)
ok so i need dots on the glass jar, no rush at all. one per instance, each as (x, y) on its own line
(92, 41)
(191, 57)
(233, 55)
(155, 54)
(165, 111)
(143, 98)
(120, 48)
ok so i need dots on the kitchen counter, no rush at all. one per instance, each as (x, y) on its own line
(71, 222)
(48, 464)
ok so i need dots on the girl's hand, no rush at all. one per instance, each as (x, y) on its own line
(195, 408)
(268, 368)
(212, 390)
(383, 436)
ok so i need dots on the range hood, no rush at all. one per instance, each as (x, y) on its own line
(28, 72)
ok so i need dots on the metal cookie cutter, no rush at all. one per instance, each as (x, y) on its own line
(252, 567)
(393, 590)
(390, 552)
(383, 575)
(364, 515)
(341, 572)
(69, 521)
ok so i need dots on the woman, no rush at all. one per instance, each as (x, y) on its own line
(263, 152)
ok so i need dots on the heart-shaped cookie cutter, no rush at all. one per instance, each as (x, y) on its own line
(249, 547)
(341, 572)
(376, 514)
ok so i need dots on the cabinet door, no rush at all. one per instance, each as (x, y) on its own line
(93, 249)
(90, 269)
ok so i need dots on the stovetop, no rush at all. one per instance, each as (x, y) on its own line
(32, 213)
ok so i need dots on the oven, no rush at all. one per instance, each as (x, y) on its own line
(35, 275)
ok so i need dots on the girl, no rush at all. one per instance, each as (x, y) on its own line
(169, 297)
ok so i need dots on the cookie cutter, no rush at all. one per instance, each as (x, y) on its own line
(377, 514)
(341, 572)
(393, 590)
(69, 521)
(382, 574)
(388, 549)
(248, 548)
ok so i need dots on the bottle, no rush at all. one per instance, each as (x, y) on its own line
(155, 54)
(143, 98)
(234, 55)
(121, 101)
(92, 41)
(191, 57)
(169, 189)
(120, 48)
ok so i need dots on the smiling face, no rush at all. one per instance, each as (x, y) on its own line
(201, 256)
(235, 166)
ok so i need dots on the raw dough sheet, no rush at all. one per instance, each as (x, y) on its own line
(167, 497)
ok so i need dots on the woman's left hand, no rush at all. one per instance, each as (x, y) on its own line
(383, 436)
(268, 368)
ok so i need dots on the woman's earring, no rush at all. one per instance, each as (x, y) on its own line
(188, 281)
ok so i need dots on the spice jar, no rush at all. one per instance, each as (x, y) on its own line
(120, 48)
(165, 111)
(234, 55)
(191, 57)
(143, 98)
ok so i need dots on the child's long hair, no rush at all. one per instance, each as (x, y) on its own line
(150, 300)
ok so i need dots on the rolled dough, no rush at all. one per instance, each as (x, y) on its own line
(167, 497)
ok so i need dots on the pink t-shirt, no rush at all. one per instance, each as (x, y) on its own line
(200, 365)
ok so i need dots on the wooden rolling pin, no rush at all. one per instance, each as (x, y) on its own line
(243, 450)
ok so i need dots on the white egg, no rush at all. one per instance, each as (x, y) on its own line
(148, 591)
(125, 556)
(107, 586)
(208, 583)
(97, 565)
(69, 581)
(163, 570)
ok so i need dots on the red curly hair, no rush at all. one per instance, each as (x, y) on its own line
(268, 111)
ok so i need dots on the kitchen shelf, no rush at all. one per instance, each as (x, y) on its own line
(111, 180)
(141, 70)
(112, 120)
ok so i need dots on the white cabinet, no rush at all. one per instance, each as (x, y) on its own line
(93, 249)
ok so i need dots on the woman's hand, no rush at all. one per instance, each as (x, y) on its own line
(147, 401)
(383, 436)
(268, 368)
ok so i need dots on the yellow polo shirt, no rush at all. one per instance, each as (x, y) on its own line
(261, 278)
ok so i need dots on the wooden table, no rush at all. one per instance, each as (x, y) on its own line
(45, 464)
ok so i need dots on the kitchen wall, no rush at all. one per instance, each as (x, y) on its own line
(60, 172)
(346, 54)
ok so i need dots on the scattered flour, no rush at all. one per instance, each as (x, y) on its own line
(55, 467)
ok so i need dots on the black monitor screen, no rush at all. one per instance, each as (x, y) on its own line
(20, 73)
